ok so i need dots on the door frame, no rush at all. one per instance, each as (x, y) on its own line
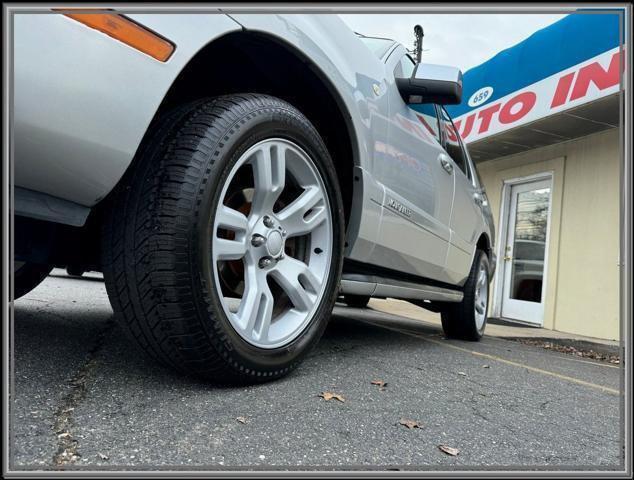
(502, 235)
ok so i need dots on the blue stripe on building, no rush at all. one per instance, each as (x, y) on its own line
(563, 44)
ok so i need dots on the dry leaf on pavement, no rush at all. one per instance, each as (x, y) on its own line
(410, 423)
(449, 450)
(329, 396)
(103, 457)
(462, 373)
(242, 419)
(379, 383)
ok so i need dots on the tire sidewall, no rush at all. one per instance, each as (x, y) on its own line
(274, 122)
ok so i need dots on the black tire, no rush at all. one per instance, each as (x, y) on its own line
(157, 235)
(357, 301)
(459, 319)
(28, 276)
(75, 270)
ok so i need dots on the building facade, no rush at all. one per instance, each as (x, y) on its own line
(542, 123)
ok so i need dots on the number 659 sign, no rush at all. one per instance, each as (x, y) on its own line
(480, 96)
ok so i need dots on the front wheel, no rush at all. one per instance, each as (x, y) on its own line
(224, 245)
(467, 320)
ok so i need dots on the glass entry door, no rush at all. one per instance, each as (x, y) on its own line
(525, 262)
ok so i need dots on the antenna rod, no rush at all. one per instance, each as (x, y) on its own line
(418, 44)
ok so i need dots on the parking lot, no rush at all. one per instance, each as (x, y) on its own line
(85, 397)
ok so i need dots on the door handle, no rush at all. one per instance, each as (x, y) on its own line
(446, 163)
(477, 197)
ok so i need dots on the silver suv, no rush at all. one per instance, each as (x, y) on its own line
(233, 176)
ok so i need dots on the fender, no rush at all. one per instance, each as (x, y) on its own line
(334, 49)
(83, 101)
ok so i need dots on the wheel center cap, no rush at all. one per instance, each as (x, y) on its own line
(274, 243)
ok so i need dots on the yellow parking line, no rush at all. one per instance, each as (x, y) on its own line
(576, 360)
(510, 362)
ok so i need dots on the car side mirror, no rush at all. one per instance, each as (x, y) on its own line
(430, 83)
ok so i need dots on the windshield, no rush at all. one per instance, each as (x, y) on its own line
(378, 45)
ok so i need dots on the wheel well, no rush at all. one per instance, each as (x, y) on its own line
(244, 62)
(484, 244)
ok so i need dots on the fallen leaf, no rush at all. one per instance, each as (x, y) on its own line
(242, 419)
(462, 373)
(63, 435)
(329, 396)
(379, 383)
(485, 366)
(103, 457)
(410, 423)
(449, 450)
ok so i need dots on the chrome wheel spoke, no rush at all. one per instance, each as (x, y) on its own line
(482, 278)
(305, 213)
(298, 282)
(269, 176)
(231, 219)
(256, 308)
(225, 249)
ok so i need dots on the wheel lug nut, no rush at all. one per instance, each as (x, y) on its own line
(257, 240)
(265, 262)
(268, 222)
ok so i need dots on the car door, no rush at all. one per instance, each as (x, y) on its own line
(414, 230)
(466, 216)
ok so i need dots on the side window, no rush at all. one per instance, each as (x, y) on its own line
(470, 173)
(428, 116)
(425, 112)
(404, 68)
(453, 143)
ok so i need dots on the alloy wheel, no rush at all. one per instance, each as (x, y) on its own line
(481, 296)
(272, 243)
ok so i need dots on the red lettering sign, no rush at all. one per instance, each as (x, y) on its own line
(486, 115)
(596, 74)
(526, 100)
(563, 87)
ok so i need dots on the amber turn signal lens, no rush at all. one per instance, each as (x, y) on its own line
(128, 32)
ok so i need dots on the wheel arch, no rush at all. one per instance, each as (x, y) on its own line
(250, 62)
(484, 244)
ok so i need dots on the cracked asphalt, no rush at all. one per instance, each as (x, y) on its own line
(84, 397)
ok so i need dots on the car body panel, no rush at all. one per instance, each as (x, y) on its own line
(83, 102)
(414, 234)
(75, 131)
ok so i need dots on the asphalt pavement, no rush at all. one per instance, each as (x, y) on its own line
(84, 397)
